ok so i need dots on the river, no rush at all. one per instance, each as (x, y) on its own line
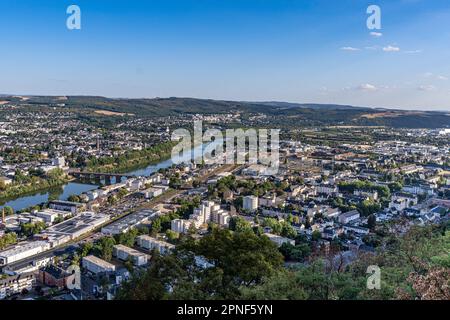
(63, 192)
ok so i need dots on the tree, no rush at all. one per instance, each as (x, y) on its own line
(104, 248)
(128, 238)
(55, 174)
(371, 222)
(236, 259)
(278, 287)
(8, 211)
(74, 198)
(316, 235)
(288, 231)
(296, 253)
(239, 224)
(85, 249)
(29, 229)
(172, 235)
(7, 240)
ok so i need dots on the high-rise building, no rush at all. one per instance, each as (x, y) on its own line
(250, 203)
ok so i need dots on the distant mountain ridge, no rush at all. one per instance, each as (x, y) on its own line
(303, 114)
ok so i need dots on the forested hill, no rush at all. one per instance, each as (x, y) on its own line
(327, 114)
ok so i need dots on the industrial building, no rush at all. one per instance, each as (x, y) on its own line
(22, 251)
(132, 220)
(75, 227)
(50, 215)
(73, 207)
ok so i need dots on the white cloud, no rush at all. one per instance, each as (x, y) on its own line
(350, 49)
(391, 49)
(427, 88)
(376, 34)
(367, 87)
(414, 51)
(435, 76)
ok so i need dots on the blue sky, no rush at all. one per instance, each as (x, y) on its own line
(288, 50)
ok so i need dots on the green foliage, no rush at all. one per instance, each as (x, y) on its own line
(29, 229)
(239, 224)
(239, 259)
(7, 240)
(131, 159)
(172, 236)
(187, 206)
(371, 222)
(86, 249)
(128, 238)
(296, 253)
(8, 211)
(74, 198)
(368, 207)
(104, 248)
(383, 191)
(26, 184)
(316, 235)
(162, 223)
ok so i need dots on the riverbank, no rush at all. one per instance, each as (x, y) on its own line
(132, 160)
(18, 191)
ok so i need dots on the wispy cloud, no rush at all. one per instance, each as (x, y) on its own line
(427, 88)
(367, 87)
(391, 49)
(350, 49)
(376, 34)
(435, 76)
(413, 51)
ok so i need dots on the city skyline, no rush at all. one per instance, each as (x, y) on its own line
(295, 51)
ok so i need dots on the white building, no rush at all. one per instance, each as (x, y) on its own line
(151, 243)
(418, 189)
(22, 251)
(131, 221)
(77, 226)
(152, 193)
(347, 217)
(250, 203)
(59, 162)
(97, 265)
(15, 284)
(279, 240)
(124, 253)
(327, 189)
(180, 225)
(50, 215)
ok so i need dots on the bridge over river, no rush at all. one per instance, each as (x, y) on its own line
(99, 175)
